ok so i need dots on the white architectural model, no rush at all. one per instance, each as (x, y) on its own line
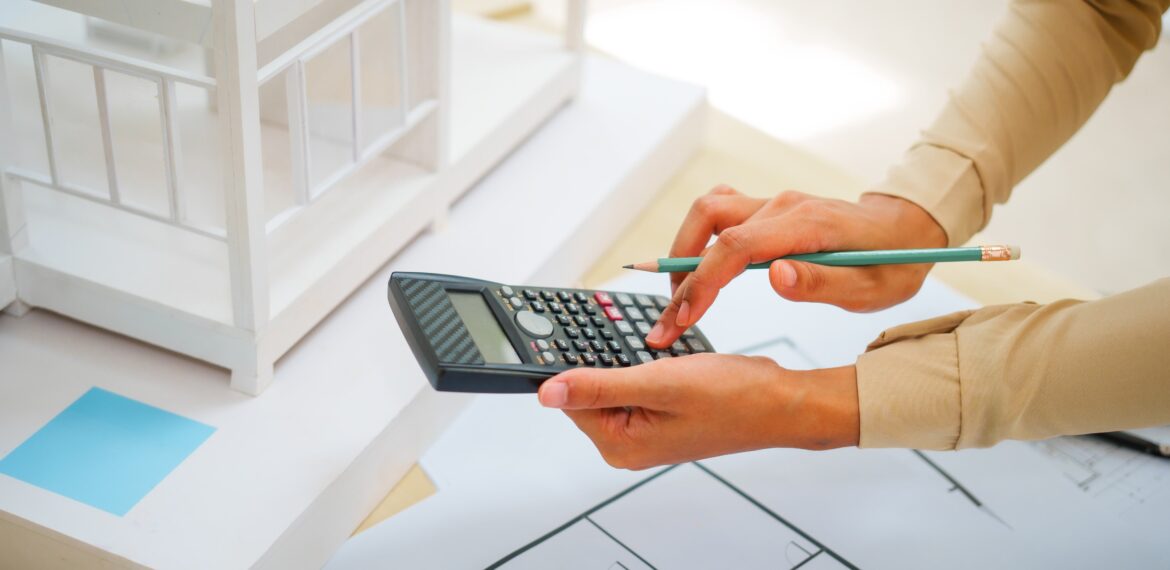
(215, 176)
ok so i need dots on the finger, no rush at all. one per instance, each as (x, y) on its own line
(736, 247)
(727, 258)
(595, 388)
(780, 204)
(709, 215)
(857, 289)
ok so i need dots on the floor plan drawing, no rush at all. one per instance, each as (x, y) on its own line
(1132, 484)
(718, 525)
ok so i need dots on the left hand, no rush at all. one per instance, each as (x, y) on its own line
(681, 409)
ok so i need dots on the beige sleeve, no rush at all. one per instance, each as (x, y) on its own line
(1043, 73)
(1025, 371)
(1020, 371)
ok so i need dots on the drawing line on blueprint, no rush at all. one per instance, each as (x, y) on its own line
(1107, 471)
(586, 517)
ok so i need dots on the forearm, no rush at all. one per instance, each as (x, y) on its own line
(1019, 372)
(1040, 77)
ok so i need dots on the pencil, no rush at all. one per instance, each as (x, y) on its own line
(1135, 442)
(853, 258)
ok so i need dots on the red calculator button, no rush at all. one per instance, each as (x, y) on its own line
(613, 313)
(603, 298)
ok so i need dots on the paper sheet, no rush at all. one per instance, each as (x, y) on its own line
(520, 487)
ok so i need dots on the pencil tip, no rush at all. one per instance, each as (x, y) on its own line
(630, 266)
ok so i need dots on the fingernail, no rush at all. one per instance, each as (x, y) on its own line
(554, 395)
(655, 333)
(684, 313)
(787, 275)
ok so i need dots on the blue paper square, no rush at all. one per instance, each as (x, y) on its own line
(105, 450)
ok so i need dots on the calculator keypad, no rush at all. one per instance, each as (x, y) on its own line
(595, 328)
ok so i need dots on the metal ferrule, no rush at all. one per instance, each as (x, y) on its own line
(995, 253)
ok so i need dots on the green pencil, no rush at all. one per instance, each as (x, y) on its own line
(854, 258)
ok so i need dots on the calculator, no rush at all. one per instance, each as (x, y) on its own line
(471, 335)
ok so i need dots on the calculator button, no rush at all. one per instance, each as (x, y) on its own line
(623, 327)
(605, 359)
(507, 291)
(644, 300)
(613, 313)
(534, 324)
(607, 335)
(659, 355)
(572, 308)
(564, 296)
(588, 359)
(563, 320)
(679, 348)
(653, 314)
(598, 321)
(547, 357)
(572, 332)
(517, 302)
(554, 306)
(542, 344)
(529, 294)
(569, 358)
(589, 333)
(635, 314)
(688, 333)
(635, 342)
(603, 298)
(643, 328)
(613, 346)
(581, 320)
(596, 346)
(589, 309)
(622, 359)
(644, 357)
(548, 295)
(581, 346)
(561, 344)
(580, 297)
(661, 301)
(537, 306)
(696, 345)
(624, 299)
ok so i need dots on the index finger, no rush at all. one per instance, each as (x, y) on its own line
(735, 249)
(709, 215)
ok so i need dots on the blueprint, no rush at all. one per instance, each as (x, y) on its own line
(521, 487)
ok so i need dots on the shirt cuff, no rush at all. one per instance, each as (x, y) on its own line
(943, 183)
(908, 387)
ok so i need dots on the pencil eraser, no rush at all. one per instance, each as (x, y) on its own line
(1015, 251)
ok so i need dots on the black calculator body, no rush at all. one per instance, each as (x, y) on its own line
(471, 335)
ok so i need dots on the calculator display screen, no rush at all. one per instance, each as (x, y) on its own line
(484, 328)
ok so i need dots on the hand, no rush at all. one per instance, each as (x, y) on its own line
(752, 230)
(681, 409)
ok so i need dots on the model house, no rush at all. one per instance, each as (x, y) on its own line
(214, 176)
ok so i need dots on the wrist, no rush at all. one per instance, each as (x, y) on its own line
(818, 409)
(914, 225)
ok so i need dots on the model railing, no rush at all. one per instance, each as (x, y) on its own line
(102, 62)
(293, 64)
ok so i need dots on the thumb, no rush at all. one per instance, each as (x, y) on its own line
(592, 388)
(845, 287)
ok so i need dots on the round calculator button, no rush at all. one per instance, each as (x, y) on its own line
(534, 324)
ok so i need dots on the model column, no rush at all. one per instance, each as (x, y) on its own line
(237, 94)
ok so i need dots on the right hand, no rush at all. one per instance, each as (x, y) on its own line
(751, 230)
